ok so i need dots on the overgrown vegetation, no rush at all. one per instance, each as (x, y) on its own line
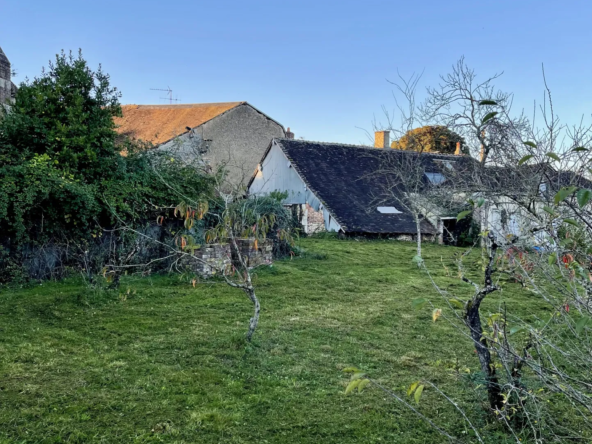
(63, 178)
(74, 197)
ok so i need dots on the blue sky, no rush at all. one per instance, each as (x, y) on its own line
(319, 67)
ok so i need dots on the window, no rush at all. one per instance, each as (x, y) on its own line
(435, 178)
(388, 210)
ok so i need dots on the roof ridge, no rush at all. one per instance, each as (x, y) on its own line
(182, 105)
(349, 145)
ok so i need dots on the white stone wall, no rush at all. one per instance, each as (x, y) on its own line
(276, 173)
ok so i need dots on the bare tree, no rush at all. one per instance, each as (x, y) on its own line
(476, 110)
(403, 174)
(237, 222)
(534, 206)
(531, 193)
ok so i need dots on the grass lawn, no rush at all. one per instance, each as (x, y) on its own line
(168, 362)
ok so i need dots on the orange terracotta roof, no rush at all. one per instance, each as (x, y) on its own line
(160, 123)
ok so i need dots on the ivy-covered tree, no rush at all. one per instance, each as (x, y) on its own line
(57, 152)
(66, 114)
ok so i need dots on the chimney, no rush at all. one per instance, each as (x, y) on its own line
(457, 152)
(381, 139)
(289, 134)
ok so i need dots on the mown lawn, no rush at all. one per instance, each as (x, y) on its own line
(168, 362)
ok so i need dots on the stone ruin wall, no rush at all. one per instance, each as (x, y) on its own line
(211, 258)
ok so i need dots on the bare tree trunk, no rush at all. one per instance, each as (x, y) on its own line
(473, 321)
(418, 226)
(255, 319)
(493, 387)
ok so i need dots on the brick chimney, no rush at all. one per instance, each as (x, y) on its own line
(382, 139)
(289, 134)
(457, 152)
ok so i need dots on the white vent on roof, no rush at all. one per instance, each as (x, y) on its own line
(388, 210)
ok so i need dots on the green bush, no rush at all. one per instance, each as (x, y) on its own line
(246, 213)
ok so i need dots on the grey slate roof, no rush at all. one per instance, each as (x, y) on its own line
(345, 179)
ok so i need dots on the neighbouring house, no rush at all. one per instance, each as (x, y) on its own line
(515, 200)
(336, 187)
(234, 134)
(7, 88)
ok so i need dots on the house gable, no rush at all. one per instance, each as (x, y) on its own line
(277, 173)
(233, 135)
(7, 88)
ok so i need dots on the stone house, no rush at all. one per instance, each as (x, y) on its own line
(234, 135)
(345, 188)
(7, 88)
(336, 187)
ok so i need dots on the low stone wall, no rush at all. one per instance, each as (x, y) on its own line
(212, 259)
(413, 238)
(262, 255)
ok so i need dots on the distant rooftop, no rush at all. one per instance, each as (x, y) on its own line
(160, 123)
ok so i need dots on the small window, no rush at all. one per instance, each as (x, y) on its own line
(388, 210)
(435, 178)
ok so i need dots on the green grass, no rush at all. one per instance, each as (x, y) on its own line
(169, 363)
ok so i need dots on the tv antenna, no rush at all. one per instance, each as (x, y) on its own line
(169, 92)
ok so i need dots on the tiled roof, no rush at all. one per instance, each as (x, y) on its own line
(529, 177)
(160, 123)
(345, 179)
